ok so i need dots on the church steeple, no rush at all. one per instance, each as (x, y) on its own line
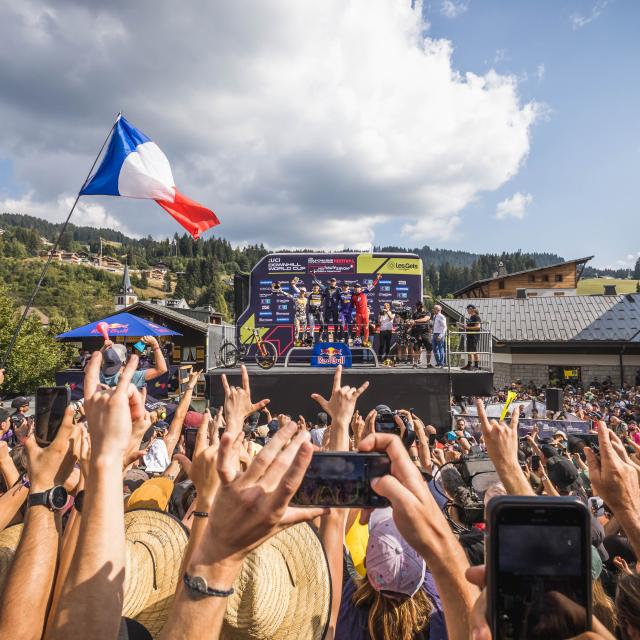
(126, 294)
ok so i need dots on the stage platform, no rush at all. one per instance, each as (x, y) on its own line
(428, 391)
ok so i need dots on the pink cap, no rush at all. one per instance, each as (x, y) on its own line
(392, 564)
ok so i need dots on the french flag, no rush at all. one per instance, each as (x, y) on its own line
(135, 167)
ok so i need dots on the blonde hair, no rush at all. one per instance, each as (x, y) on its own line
(603, 607)
(389, 618)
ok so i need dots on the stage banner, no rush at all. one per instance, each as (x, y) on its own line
(546, 428)
(272, 313)
(331, 354)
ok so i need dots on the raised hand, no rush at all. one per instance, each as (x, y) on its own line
(612, 476)
(251, 506)
(52, 465)
(342, 402)
(203, 471)
(237, 403)
(108, 411)
(501, 440)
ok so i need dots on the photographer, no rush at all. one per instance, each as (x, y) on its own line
(386, 320)
(421, 331)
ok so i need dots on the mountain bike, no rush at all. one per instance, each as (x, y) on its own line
(265, 355)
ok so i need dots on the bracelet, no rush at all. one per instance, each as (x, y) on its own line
(200, 514)
(198, 586)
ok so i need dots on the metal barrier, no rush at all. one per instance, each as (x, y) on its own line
(458, 354)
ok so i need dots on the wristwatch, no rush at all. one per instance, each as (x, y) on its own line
(197, 585)
(54, 499)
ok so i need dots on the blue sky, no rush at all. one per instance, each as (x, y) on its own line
(582, 170)
(485, 125)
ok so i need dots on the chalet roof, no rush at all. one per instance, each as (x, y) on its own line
(477, 283)
(584, 319)
(170, 314)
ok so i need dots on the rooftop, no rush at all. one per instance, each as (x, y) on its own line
(585, 319)
(477, 283)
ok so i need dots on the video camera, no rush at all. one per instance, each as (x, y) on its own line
(386, 423)
(401, 310)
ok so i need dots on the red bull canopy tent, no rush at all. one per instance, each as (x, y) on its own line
(120, 324)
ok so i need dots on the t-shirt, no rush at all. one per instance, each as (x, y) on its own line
(352, 620)
(473, 323)
(386, 322)
(157, 459)
(421, 328)
(138, 379)
(317, 435)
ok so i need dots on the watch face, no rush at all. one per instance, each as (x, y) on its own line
(58, 497)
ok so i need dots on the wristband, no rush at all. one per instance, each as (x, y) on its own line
(200, 514)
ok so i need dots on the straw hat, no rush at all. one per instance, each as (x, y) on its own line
(283, 590)
(9, 539)
(155, 545)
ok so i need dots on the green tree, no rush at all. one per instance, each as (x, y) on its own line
(37, 355)
(144, 280)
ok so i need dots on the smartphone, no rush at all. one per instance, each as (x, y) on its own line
(538, 559)
(51, 403)
(535, 463)
(190, 442)
(342, 479)
(140, 346)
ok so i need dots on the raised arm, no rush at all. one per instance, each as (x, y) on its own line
(160, 365)
(502, 446)
(32, 571)
(425, 528)
(175, 429)
(90, 605)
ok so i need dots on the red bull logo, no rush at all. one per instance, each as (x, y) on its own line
(114, 327)
(331, 356)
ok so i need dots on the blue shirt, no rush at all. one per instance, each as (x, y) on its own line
(138, 379)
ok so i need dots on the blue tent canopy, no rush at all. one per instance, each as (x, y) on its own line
(120, 324)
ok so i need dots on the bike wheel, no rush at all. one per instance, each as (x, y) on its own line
(229, 355)
(266, 355)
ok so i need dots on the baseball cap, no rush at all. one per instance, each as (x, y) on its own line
(113, 358)
(383, 408)
(20, 401)
(549, 451)
(560, 434)
(392, 564)
(562, 473)
(151, 494)
(451, 436)
(193, 419)
(471, 306)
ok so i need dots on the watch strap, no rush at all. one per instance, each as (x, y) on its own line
(197, 585)
(39, 499)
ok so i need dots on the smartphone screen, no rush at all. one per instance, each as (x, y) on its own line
(190, 442)
(51, 403)
(140, 346)
(342, 479)
(535, 462)
(539, 567)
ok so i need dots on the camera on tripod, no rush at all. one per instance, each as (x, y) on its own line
(402, 311)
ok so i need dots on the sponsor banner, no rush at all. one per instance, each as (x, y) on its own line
(546, 428)
(331, 354)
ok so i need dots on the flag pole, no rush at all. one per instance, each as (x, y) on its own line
(43, 273)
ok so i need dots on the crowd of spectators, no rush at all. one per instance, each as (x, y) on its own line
(137, 523)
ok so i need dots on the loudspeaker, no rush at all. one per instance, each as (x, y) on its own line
(554, 399)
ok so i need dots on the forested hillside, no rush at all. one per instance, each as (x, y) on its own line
(199, 270)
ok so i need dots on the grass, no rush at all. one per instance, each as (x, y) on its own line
(591, 286)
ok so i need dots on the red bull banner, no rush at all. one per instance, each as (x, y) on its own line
(331, 354)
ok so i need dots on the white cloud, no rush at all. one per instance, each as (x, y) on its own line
(540, 71)
(579, 20)
(499, 56)
(628, 262)
(453, 8)
(514, 207)
(85, 214)
(301, 124)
